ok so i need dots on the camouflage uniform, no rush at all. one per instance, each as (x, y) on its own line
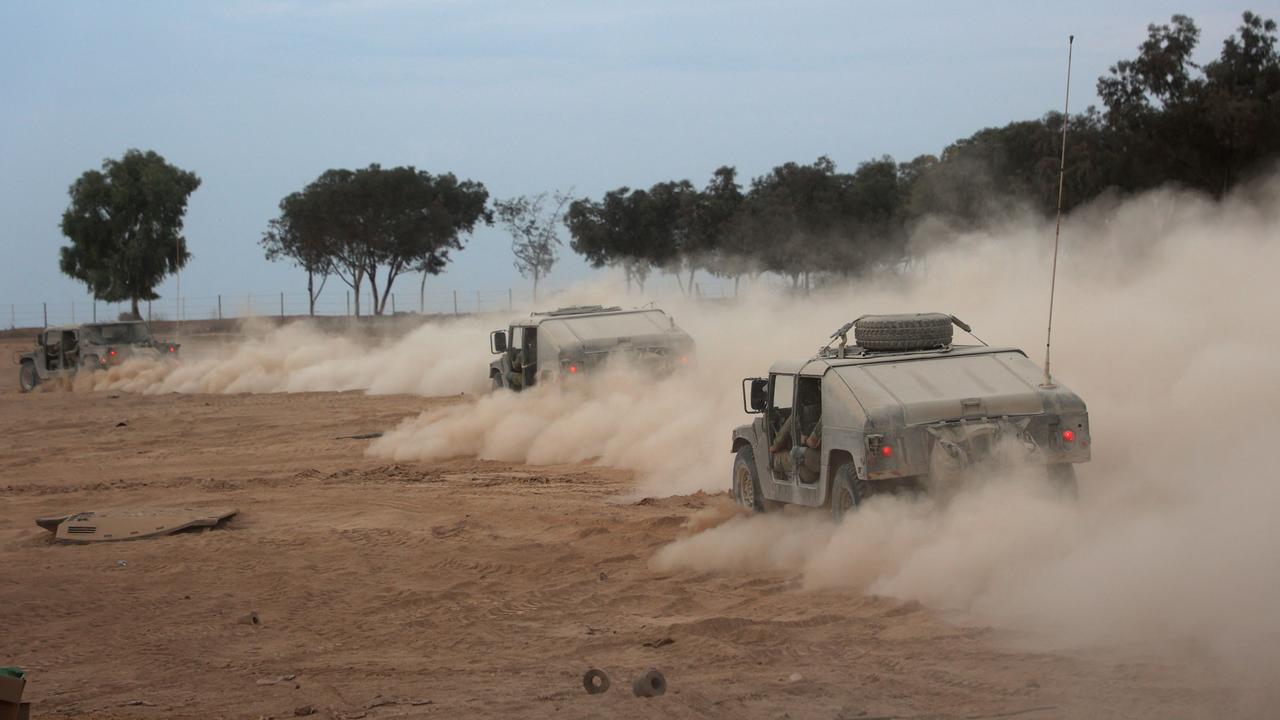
(515, 377)
(785, 458)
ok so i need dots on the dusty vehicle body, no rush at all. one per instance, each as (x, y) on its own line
(894, 416)
(64, 351)
(578, 340)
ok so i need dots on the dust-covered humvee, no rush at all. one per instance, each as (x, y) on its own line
(900, 406)
(577, 340)
(64, 351)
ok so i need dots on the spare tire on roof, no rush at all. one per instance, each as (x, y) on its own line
(920, 331)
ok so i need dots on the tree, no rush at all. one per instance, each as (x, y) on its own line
(534, 235)
(125, 227)
(376, 224)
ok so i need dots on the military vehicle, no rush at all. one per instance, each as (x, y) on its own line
(578, 340)
(64, 351)
(901, 406)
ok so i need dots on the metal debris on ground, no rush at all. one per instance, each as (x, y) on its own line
(135, 524)
(651, 683)
(595, 681)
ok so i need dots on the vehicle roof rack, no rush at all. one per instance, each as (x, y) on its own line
(578, 310)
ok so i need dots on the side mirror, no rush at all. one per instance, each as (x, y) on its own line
(498, 341)
(755, 397)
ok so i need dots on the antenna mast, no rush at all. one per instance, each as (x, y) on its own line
(1057, 232)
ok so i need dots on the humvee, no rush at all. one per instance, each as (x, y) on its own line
(901, 406)
(577, 340)
(64, 351)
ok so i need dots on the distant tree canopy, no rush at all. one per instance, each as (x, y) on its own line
(373, 224)
(125, 227)
(1166, 119)
(533, 224)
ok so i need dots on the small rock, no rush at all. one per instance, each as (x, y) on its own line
(795, 677)
(121, 563)
(304, 710)
(123, 423)
(604, 576)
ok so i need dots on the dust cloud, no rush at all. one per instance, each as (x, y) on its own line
(445, 358)
(1167, 325)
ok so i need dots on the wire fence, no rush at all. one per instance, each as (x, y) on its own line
(286, 304)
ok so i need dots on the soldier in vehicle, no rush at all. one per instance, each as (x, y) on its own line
(785, 457)
(515, 378)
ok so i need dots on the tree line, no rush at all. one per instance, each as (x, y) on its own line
(1165, 119)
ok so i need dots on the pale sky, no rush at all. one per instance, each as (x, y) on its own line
(258, 98)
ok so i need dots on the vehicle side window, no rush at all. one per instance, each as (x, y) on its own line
(781, 391)
(516, 338)
(52, 338)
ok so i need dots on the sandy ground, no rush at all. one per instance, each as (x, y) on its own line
(459, 589)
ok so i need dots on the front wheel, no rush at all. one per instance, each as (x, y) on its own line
(847, 491)
(28, 379)
(746, 480)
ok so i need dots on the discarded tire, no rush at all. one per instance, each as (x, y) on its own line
(650, 684)
(595, 681)
(923, 331)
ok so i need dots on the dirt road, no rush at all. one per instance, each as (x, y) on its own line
(457, 589)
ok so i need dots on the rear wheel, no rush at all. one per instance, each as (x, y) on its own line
(90, 362)
(27, 377)
(847, 491)
(1063, 477)
(746, 480)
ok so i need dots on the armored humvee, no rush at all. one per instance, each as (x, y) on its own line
(901, 405)
(577, 340)
(64, 351)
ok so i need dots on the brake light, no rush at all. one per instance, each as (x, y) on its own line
(573, 368)
(112, 352)
(1068, 436)
(684, 359)
(886, 451)
(173, 349)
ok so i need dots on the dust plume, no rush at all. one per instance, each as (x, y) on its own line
(443, 358)
(1167, 326)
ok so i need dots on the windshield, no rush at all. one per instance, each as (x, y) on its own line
(117, 333)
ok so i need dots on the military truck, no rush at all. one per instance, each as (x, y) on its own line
(64, 351)
(578, 340)
(902, 406)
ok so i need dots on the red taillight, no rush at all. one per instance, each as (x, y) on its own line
(112, 352)
(886, 451)
(173, 349)
(684, 359)
(1068, 436)
(573, 368)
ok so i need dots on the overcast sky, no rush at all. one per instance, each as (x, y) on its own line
(258, 98)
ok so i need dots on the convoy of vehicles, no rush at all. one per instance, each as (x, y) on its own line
(901, 406)
(64, 351)
(576, 340)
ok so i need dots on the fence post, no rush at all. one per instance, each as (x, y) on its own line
(95, 311)
(46, 314)
(510, 301)
(13, 315)
(477, 302)
(281, 306)
(455, 303)
(73, 312)
(393, 303)
(219, 306)
(348, 303)
(148, 312)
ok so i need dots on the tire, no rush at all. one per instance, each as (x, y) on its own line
(847, 491)
(746, 481)
(1063, 477)
(924, 331)
(28, 379)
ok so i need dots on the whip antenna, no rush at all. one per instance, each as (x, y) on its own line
(1057, 231)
